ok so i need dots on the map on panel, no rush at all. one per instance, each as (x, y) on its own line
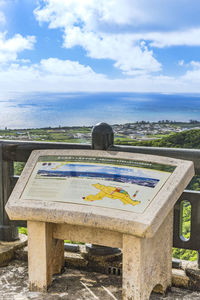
(96, 181)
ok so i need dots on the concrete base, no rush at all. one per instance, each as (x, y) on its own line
(8, 233)
(147, 262)
(81, 261)
(7, 249)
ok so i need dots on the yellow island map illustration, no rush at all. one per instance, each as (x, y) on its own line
(97, 182)
(113, 193)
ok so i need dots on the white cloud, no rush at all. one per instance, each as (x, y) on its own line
(82, 22)
(50, 75)
(112, 43)
(185, 37)
(195, 64)
(118, 29)
(92, 12)
(148, 15)
(128, 54)
(56, 67)
(54, 75)
(193, 74)
(106, 30)
(9, 48)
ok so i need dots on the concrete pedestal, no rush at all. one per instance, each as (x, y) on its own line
(146, 261)
(144, 234)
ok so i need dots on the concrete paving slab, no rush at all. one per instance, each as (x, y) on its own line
(72, 285)
(188, 276)
(179, 278)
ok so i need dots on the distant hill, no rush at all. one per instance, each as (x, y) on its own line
(185, 139)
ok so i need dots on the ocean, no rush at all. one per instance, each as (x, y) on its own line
(71, 109)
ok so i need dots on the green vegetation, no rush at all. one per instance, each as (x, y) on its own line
(122, 140)
(18, 167)
(185, 231)
(58, 134)
(185, 139)
(23, 230)
(72, 242)
(194, 184)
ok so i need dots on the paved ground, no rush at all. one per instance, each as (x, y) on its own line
(72, 285)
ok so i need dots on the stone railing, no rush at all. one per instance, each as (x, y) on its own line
(102, 139)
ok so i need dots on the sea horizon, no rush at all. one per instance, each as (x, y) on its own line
(87, 109)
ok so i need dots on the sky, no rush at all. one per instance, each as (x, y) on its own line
(73, 46)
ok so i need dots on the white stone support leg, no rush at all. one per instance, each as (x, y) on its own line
(147, 262)
(45, 255)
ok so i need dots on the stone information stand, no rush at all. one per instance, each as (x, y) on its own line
(107, 198)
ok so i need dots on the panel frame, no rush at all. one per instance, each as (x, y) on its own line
(141, 225)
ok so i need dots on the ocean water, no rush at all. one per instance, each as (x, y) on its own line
(44, 109)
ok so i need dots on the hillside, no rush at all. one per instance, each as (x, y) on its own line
(185, 139)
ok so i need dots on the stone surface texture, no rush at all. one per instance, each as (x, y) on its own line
(45, 252)
(73, 285)
(147, 262)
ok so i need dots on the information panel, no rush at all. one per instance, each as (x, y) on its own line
(97, 181)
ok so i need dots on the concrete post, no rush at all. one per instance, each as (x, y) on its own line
(45, 255)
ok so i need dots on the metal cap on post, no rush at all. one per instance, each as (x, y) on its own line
(102, 139)
(102, 136)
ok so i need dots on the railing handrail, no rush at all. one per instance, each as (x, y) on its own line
(19, 142)
(21, 150)
(179, 153)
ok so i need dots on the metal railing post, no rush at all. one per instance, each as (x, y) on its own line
(8, 232)
(198, 259)
(102, 136)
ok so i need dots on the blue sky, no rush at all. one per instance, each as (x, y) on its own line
(100, 45)
(73, 46)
